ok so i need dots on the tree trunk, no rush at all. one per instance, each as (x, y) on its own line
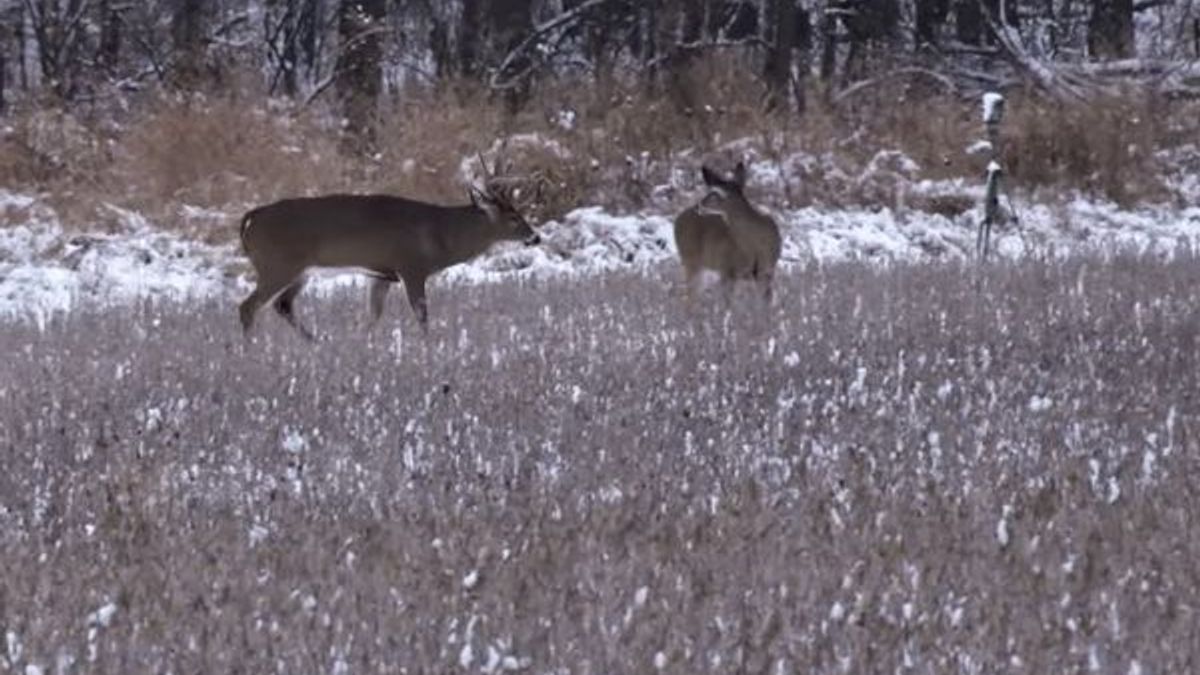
(509, 22)
(931, 14)
(734, 19)
(188, 29)
(691, 26)
(359, 70)
(289, 55)
(3, 73)
(440, 48)
(470, 37)
(781, 38)
(803, 57)
(19, 37)
(1110, 29)
(58, 30)
(311, 20)
(827, 27)
(682, 23)
(109, 54)
(647, 33)
(968, 22)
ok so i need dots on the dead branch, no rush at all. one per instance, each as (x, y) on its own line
(332, 77)
(705, 45)
(863, 85)
(536, 37)
(1049, 78)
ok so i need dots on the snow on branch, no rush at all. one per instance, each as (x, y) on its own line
(1060, 84)
(502, 78)
(1085, 81)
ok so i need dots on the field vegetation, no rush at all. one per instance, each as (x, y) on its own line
(931, 468)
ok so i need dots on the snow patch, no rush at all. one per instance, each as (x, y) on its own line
(471, 579)
(993, 106)
(45, 269)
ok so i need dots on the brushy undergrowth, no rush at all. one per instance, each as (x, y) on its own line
(194, 162)
(909, 468)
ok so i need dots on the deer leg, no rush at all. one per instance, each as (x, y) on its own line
(765, 283)
(728, 277)
(415, 288)
(284, 306)
(689, 284)
(379, 290)
(266, 289)
(247, 310)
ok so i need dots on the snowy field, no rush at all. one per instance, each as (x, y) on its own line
(909, 463)
(899, 468)
(47, 266)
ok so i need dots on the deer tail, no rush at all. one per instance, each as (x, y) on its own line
(247, 220)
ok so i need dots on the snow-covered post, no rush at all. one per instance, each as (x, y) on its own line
(993, 114)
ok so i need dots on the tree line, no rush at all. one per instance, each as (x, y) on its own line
(79, 51)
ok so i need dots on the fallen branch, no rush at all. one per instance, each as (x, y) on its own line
(863, 85)
(1143, 5)
(1059, 84)
(704, 46)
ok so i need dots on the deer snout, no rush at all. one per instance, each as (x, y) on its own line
(533, 240)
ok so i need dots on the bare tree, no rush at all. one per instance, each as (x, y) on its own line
(9, 30)
(509, 23)
(19, 37)
(441, 40)
(930, 16)
(968, 22)
(781, 51)
(292, 36)
(361, 24)
(188, 28)
(3, 68)
(1110, 29)
(109, 19)
(682, 31)
(59, 28)
(871, 26)
(470, 37)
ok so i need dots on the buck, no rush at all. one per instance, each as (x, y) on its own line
(726, 234)
(389, 238)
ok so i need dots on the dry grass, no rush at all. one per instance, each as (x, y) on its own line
(615, 143)
(1110, 147)
(579, 476)
(219, 152)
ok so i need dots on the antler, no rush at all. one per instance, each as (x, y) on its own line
(501, 183)
(488, 174)
(496, 180)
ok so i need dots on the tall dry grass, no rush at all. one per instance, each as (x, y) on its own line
(926, 468)
(613, 141)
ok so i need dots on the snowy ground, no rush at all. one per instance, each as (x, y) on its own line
(897, 470)
(46, 267)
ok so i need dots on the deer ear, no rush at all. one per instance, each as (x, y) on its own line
(739, 174)
(711, 204)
